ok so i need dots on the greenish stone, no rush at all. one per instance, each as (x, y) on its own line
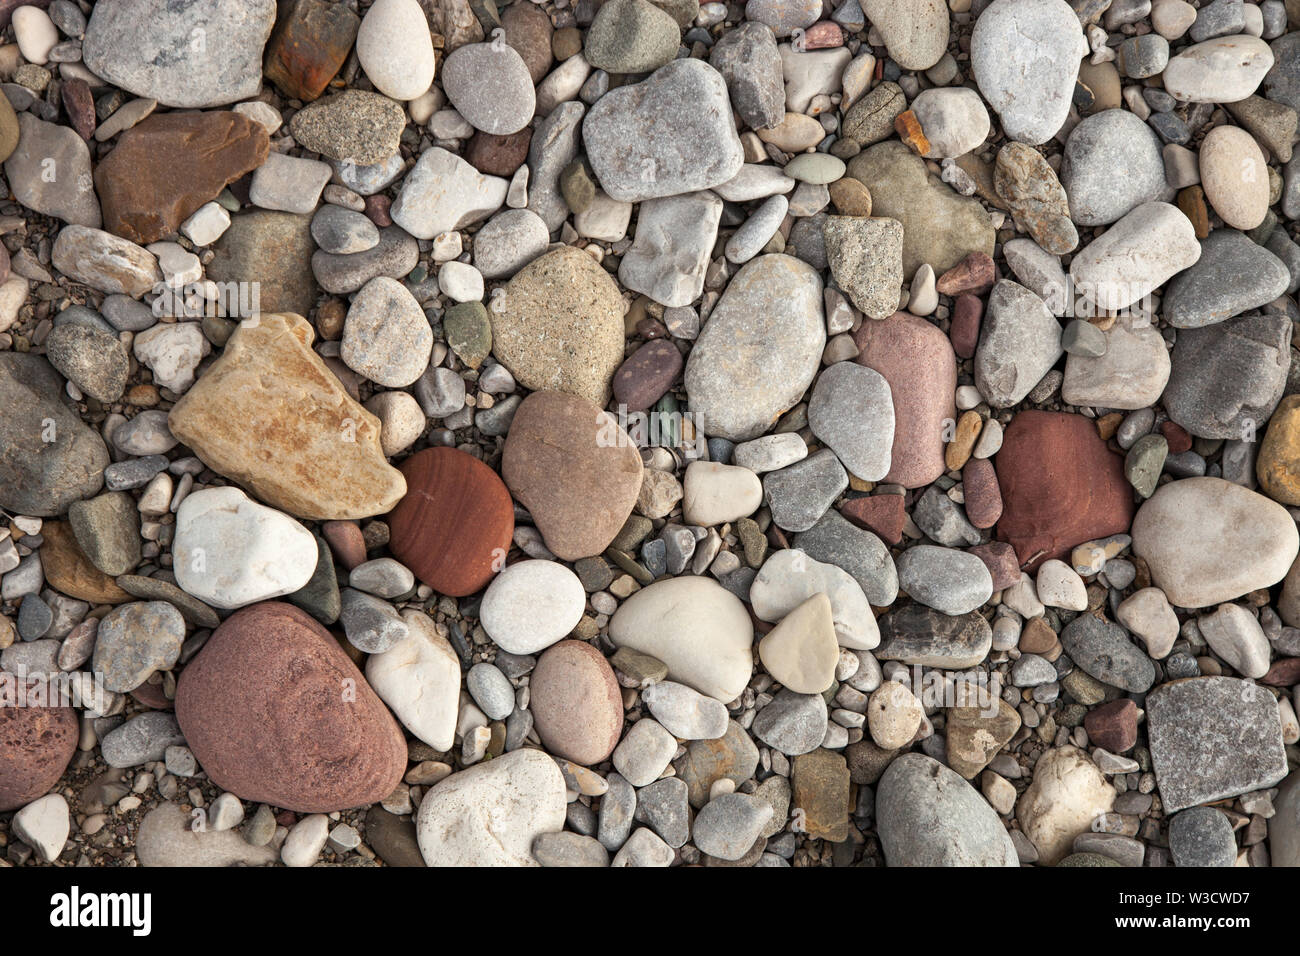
(1083, 338)
(638, 666)
(218, 330)
(753, 540)
(1084, 688)
(819, 169)
(1144, 463)
(577, 187)
(628, 564)
(632, 533)
(319, 597)
(468, 331)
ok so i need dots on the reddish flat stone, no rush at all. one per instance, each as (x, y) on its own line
(79, 104)
(346, 541)
(646, 375)
(152, 696)
(882, 514)
(1061, 486)
(974, 274)
(917, 361)
(823, 36)
(575, 470)
(1113, 726)
(1283, 673)
(167, 166)
(965, 328)
(983, 496)
(36, 744)
(1177, 437)
(378, 209)
(310, 43)
(498, 155)
(576, 704)
(453, 527)
(1000, 558)
(276, 713)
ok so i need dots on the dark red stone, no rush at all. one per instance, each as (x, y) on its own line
(454, 525)
(1061, 486)
(36, 744)
(79, 104)
(647, 374)
(881, 514)
(498, 155)
(1177, 437)
(975, 274)
(1283, 673)
(1113, 726)
(277, 713)
(1000, 558)
(983, 496)
(309, 45)
(965, 329)
(377, 210)
(346, 542)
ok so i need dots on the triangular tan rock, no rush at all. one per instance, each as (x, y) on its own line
(801, 652)
(270, 415)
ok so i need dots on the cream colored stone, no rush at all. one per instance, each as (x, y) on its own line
(801, 652)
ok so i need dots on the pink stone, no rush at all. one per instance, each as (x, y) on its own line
(983, 495)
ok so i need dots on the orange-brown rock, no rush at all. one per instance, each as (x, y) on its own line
(310, 42)
(270, 415)
(169, 165)
(36, 743)
(574, 468)
(276, 713)
(1278, 466)
(454, 526)
(69, 571)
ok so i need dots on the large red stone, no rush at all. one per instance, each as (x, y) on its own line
(169, 165)
(275, 712)
(883, 515)
(311, 41)
(1061, 486)
(454, 525)
(36, 744)
(917, 361)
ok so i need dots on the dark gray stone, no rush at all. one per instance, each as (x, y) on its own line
(1233, 276)
(1103, 650)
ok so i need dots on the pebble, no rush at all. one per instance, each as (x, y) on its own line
(915, 32)
(1202, 836)
(1019, 342)
(631, 36)
(531, 605)
(509, 241)
(490, 86)
(1096, 147)
(801, 652)
(1234, 176)
(727, 826)
(672, 248)
(166, 839)
(418, 677)
(1131, 372)
(1067, 795)
(135, 640)
(1235, 635)
(342, 231)
(789, 577)
(866, 260)
(715, 494)
(684, 712)
(799, 494)
(142, 739)
(1222, 70)
(644, 752)
(1148, 615)
(386, 337)
(395, 48)
(443, 193)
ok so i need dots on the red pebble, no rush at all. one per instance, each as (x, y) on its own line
(983, 494)
(346, 541)
(976, 273)
(823, 36)
(1113, 726)
(881, 514)
(1177, 437)
(965, 330)
(1000, 558)
(377, 210)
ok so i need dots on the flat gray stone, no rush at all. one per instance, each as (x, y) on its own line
(1233, 275)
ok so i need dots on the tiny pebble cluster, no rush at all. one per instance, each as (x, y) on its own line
(649, 433)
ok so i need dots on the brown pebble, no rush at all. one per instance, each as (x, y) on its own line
(965, 329)
(983, 496)
(377, 210)
(881, 514)
(346, 541)
(975, 274)
(1113, 726)
(851, 197)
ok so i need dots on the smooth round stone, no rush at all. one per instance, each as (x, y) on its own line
(717, 660)
(816, 168)
(685, 712)
(727, 826)
(1206, 541)
(927, 815)
(715, 494)
(645, 753)
(1222, 70)
(108, 531)
(576, 703)
(792, 723)
(509, 241)
(954, 582)
(894, 715)
(647, 374)
(490, 87)
(917, 361)
(852, 411)
(1100, 144)
(1025, 56)
(455, 523)
(789, 577)
(401, 420)
(1235, 176)
(1104, 651)
(491, 814)
(395, 48)
(262, 706)
(801, 651)
(38, 743)
(953, 121)
(1202, 836)
(342, 231)
(1235, 636)
(386, 337)
(230, 551)
(531, 605)
(760, 349)
(382, 577)
(574, 469)
(419, 679)
(491, 690)
(1061, 486)
(783, 16)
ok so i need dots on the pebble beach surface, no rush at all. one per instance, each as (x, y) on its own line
(649, 433)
